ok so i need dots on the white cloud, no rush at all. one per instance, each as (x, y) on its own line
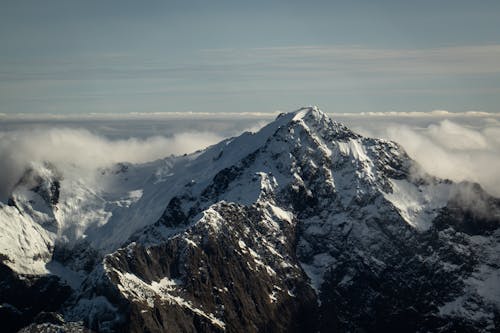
(418, 114)
(67, 148)
(458, 146)
(449, 149)
(455, 137)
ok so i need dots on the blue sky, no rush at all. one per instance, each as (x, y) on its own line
(241, 56)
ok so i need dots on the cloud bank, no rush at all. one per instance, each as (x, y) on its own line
(452, 151)
(83, 151)
(464, 148)
(456, 146)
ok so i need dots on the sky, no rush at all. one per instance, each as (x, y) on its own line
(119, 56)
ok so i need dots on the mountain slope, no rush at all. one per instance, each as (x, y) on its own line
(303, 226)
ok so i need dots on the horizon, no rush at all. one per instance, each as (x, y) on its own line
(34, 116)
(466, 145)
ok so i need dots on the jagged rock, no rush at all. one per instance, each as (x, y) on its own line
(304, 226)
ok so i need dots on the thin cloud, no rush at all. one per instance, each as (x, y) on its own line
(136, 116)
(304, 60)
(452, 60)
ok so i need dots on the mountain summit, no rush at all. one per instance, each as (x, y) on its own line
(302, 226)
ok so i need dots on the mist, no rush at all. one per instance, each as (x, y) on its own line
(79, 150)
(453, 146)
(452, 151)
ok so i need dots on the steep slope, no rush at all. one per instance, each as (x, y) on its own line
(303, 226)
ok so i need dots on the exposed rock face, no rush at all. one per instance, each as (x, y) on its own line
(231, 271)
(304, 226)
(23, 298)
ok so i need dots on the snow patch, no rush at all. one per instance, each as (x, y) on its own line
(72, 278)
(418, 205)
(136, 289)
(211, 218)
(25, 243)
(316, 270)
(281, 213)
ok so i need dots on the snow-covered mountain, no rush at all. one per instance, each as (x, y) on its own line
(302, 226)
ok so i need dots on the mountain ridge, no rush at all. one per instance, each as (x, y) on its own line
(302, 226)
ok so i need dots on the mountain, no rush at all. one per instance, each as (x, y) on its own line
(304, 226)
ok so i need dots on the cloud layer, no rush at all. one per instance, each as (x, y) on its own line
(463, 146)
(69, 148)
(452, 151)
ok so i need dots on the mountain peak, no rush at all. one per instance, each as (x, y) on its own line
(312, 112)
(308, 111)
(316, 122)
